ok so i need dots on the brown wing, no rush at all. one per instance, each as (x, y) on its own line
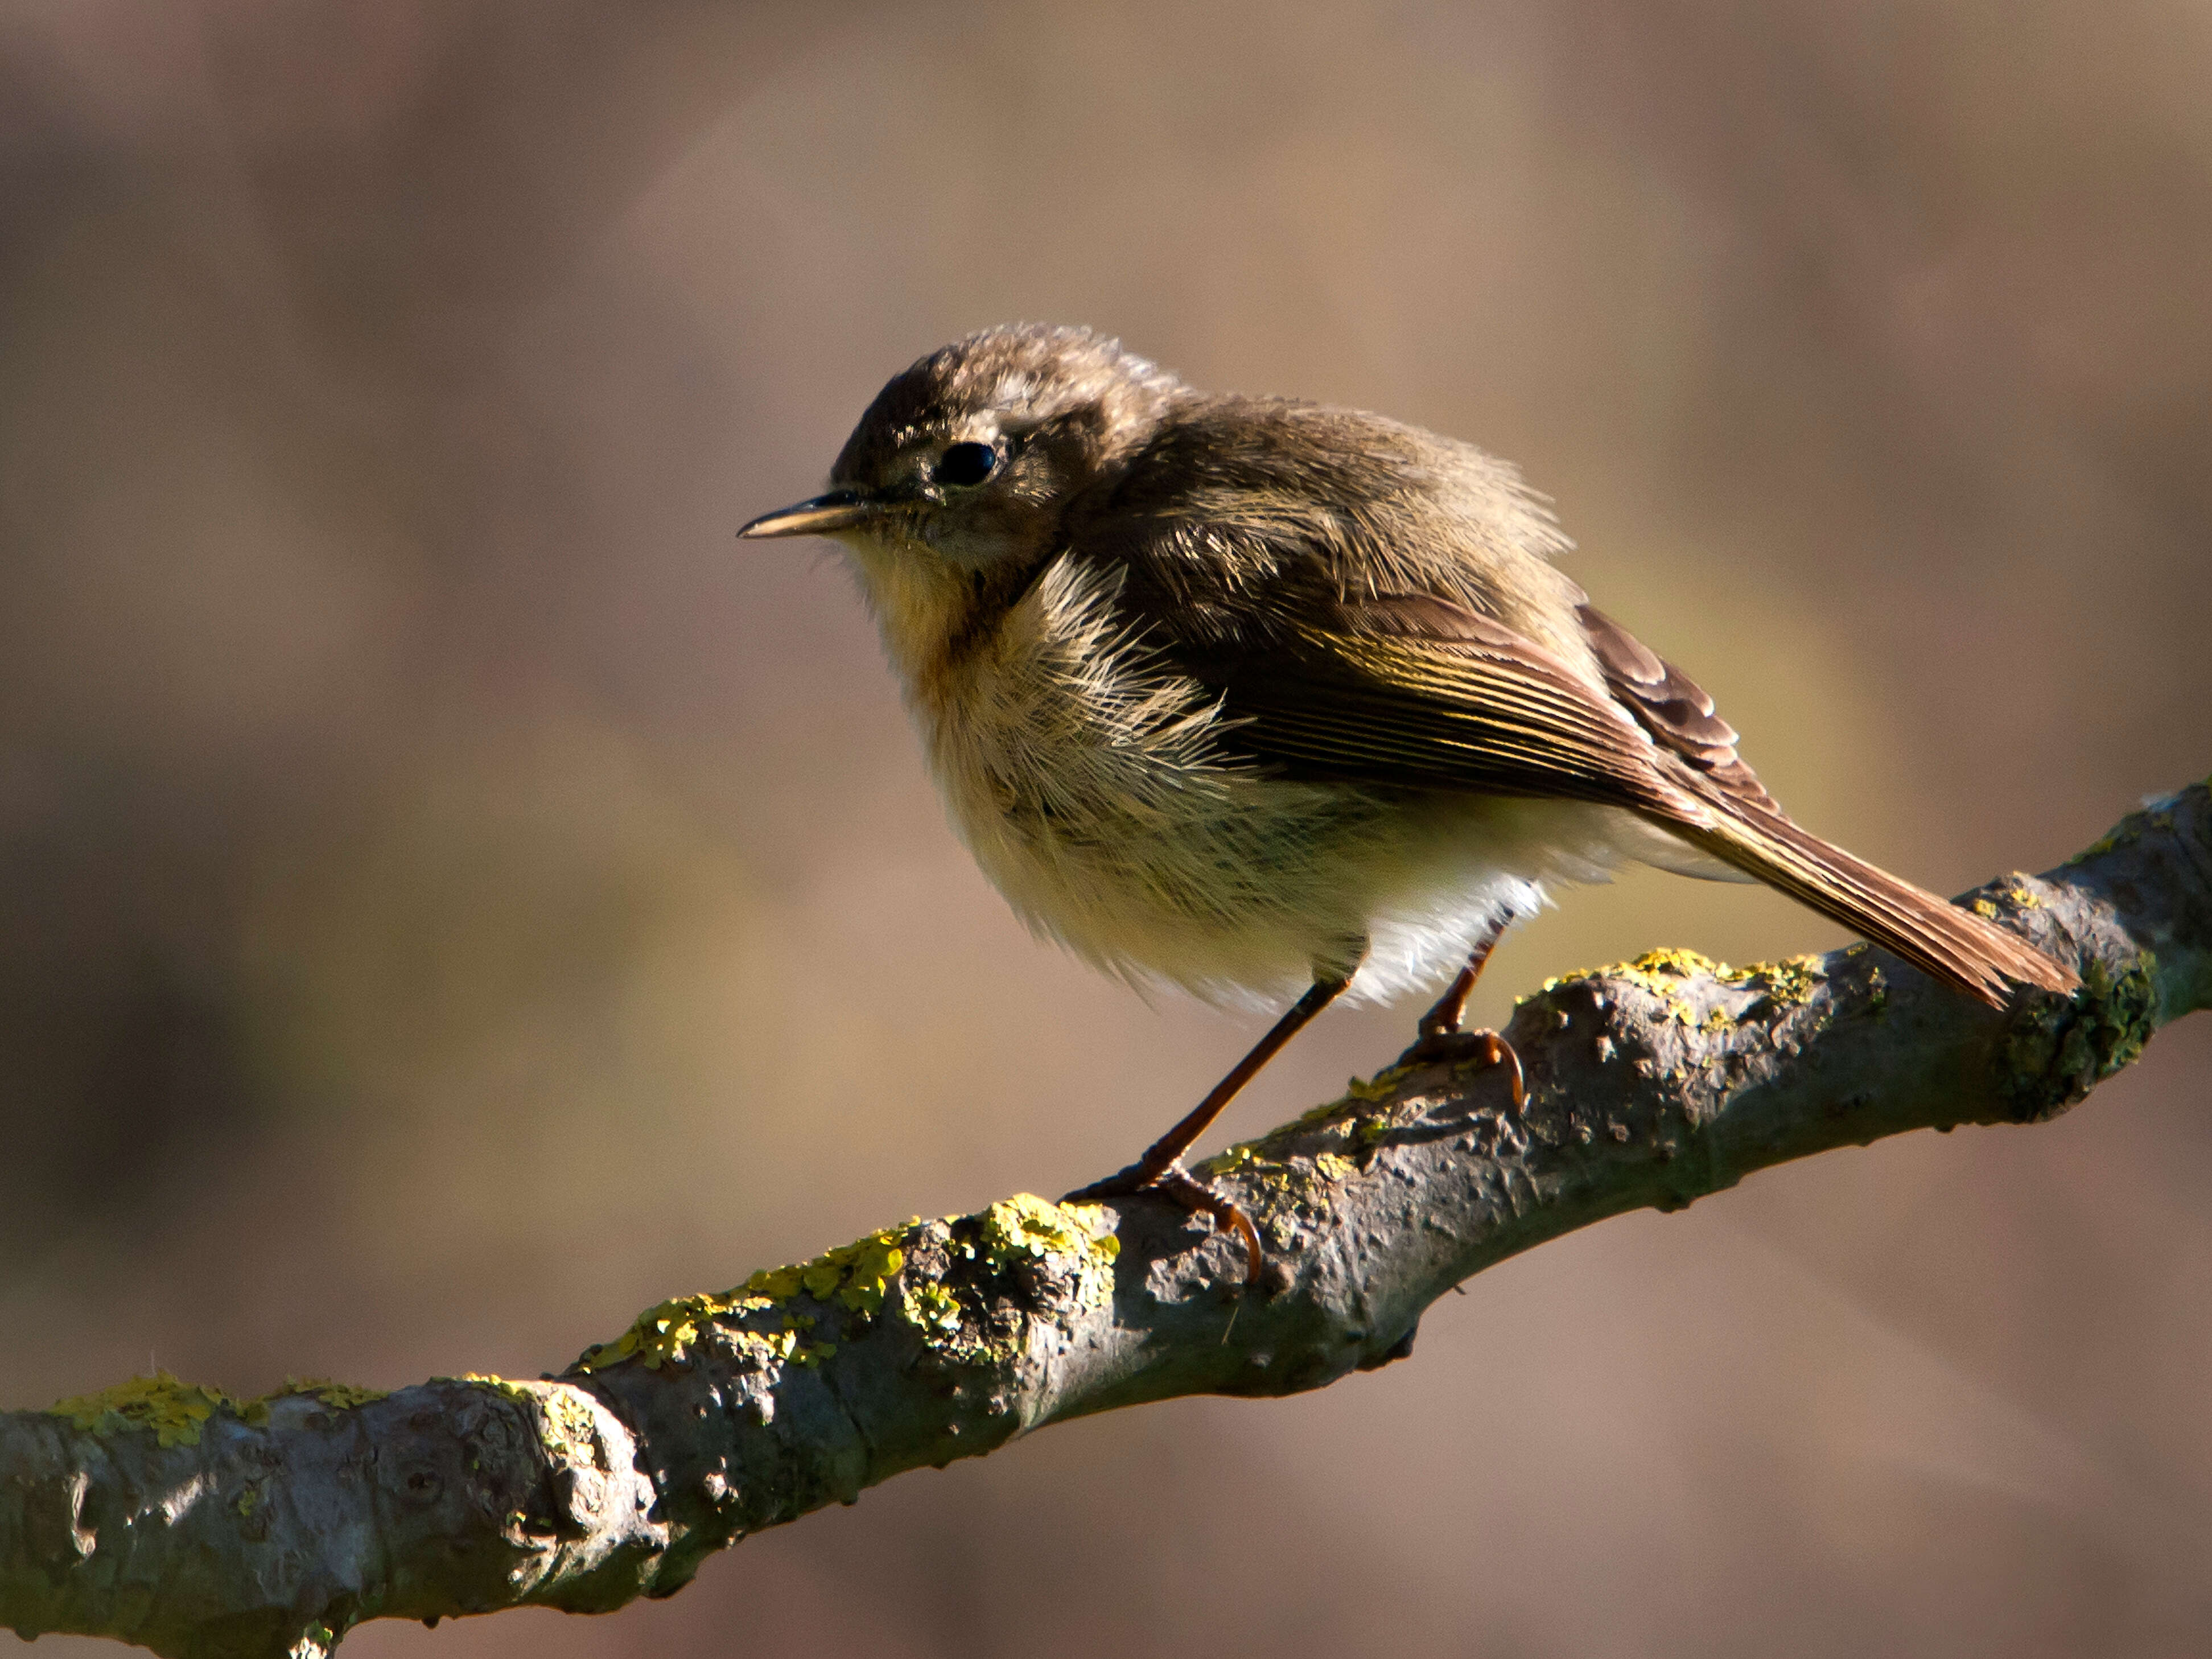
(1423, 693)
(1754, 833)
(1674, 709)
(1333, 658)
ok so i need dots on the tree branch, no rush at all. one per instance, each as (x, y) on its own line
(168, 1516)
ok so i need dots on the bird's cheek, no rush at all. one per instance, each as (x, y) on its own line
(971, 540)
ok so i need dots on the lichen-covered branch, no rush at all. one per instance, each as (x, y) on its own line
(168, 1516)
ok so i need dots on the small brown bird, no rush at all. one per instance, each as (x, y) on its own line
(1257, 697)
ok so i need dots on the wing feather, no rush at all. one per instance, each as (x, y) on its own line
(1321, 676)
(1423, 694)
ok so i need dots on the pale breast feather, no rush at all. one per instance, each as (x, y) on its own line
(1085, 775)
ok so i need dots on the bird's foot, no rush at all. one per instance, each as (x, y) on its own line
(1437, 1045)
(1188, 1194)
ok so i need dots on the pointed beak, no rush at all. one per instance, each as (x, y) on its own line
(840, 509)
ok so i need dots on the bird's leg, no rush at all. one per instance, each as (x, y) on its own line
(1442, 1039)
(1160, 1170)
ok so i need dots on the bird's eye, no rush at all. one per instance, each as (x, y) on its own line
(966, 463)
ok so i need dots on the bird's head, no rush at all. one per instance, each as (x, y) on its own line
(966, 463)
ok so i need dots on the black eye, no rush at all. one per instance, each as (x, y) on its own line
(966, 463)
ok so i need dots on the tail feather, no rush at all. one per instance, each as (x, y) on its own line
(1940, 939)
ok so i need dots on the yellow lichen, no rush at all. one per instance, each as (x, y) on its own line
(667, 1332)
(340, 1397)
(854, 1274)
(1654, 971)
(1663, 974)
(1026, 1226)
(930, 1307)
(1067, 1242)
(1286, 1187)
(1877, 992)
(567, 1427)
(1792, 980)
(570, 1431)
(1235, 1159)
(174, 1411)
(1251, 1159)
(754, 1322)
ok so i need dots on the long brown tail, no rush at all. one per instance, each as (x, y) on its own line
(1938, 939)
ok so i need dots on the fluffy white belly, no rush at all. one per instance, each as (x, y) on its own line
(1088, 785)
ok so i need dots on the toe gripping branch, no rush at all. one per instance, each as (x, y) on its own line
(1188, 1194)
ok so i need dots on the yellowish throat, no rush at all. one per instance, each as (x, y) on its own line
(1280, 703)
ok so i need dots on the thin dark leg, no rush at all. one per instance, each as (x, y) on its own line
(1160, 1170)
(1441, 1037)
(1163, 1153)
(1443, 1019)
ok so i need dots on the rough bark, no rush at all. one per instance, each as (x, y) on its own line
(164, 1515)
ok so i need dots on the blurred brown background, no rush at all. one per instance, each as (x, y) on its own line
(454, 896)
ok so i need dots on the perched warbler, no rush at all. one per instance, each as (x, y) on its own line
(1273, 701)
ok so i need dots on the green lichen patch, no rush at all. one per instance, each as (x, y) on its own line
(174, 1411)
(343, 1396)
(565, 1421)
(1378, 1087)
(1067, 1246)
(955, 1290)
(672, 1332)
(2096, 850)
(1657, 972)
(2157, 813)
(2057, 1051)
(664, 1333)
(761, 1326)
(1029, 1231)
(932, 1308)
(1279, 1177)
(855, 1275)
(570, 1430)
(1790, 982)
(1287, 1193)
(566, 1426)
(1665, 975)
(338, 1397)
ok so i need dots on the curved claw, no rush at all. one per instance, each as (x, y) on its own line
(1187, 1193)
(1456, 1048)
(1500, 1049)
(1195, 1195)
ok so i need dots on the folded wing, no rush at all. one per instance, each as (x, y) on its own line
(1419, 692)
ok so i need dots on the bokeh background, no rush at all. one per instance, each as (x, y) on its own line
(454, 896)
